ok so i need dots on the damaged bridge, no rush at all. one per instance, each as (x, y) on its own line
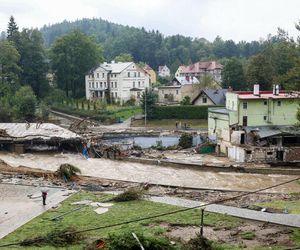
(21, 137)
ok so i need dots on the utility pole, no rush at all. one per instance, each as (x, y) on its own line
(201, 223)
(145, 107)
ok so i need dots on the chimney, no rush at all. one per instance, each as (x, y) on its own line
(274, 89)
(277, 89)
(256, 89)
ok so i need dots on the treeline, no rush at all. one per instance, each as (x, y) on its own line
(151, 46)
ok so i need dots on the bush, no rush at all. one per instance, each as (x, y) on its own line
(180, 112)
(126, 241)
(186, 101)
(186, 140)
(199, 243)
(57, 238)
(68, 171)
(129, 195)
(25, 102)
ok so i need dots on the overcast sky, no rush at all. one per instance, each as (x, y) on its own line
(230, 19)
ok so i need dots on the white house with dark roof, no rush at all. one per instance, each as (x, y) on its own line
(122, 81)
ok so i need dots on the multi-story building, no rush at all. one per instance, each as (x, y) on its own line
(257, 126)
(119, 81)
(200, 69)
(151, 74)
(180, 87)
(164, 71)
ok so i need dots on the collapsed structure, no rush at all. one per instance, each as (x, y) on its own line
(257, 126)
(21, 137)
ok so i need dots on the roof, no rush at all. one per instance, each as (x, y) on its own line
(32, 131)
(183, 80)
(268, 131)
(246, 95)
(147, 68)
(200, 67)
(217, 96)
(160, 68)
(169, 86)
(113, 67)
(219, 110)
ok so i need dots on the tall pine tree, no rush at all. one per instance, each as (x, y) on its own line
(12, 29)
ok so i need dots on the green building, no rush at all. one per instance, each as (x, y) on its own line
(256, 115)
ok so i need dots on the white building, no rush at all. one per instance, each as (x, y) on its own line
(119, 80)
(164, 71)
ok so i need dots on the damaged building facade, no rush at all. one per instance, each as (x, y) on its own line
(24, 137)
(257, 126)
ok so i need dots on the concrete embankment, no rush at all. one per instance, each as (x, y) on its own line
(237, 168)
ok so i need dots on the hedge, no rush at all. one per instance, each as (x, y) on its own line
(181, 112)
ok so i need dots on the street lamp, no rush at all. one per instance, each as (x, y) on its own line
(145, 107)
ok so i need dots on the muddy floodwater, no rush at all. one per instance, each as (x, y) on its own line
(136, 172)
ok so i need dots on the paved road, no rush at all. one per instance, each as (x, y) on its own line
(169, 176)
(292, 220)
(16, 208)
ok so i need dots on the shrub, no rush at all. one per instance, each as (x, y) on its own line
(129, 195)
(180, 112)
(57, 238)
(126, 241)
(68, 171)
(186, 140)
(186, 101)
(199, 243)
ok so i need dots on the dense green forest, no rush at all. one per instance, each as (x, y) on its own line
(152, 47)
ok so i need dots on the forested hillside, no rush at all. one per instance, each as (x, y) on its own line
(152, 47)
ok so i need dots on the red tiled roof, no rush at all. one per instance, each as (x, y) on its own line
(201, 67)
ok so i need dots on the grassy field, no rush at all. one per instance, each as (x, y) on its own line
(125, 114)
(293, 207)
(171, 123)
(123, 211)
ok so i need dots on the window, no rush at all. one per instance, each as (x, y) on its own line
(176, 91)
(103, 75)
(116, 95)
(139, 84)
(166, 96)
(204, 100)
(97, 75)
(134, 74)
(265, 118)
(139, 74)
(112, 85)
(138, 94)
(128, 74)
(133, 84)
(115, 75)
(245, 105)
(269, 153)
(245, 121)
(97, 84)
(101, 85)
(265, 103)
(115, 84)
(90, 84)
(104, 84)
(278, 103)
(93, 84)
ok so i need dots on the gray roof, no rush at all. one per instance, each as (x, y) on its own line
(217, 96)
(268, 131)
(219, 110)
(113, 67)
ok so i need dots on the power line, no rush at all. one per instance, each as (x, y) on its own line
(166, 214)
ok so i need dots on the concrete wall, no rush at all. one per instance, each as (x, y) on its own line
(236, 153)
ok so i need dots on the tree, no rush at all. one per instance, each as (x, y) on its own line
(25, 103)
(73, 55)
(233, 75)
(33, 61)
(12, 29)
(124, 57)
(207, 82)
(260, 71)
(291, 80)
(9, 68)
(186, 101)
(148, 97)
